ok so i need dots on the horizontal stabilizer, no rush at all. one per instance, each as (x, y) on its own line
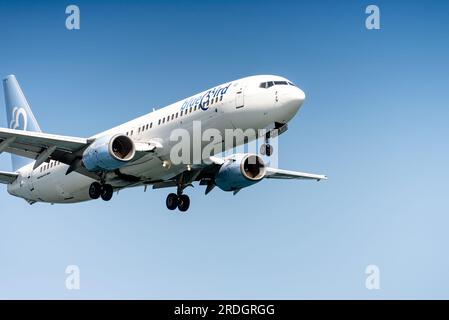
(8, 177)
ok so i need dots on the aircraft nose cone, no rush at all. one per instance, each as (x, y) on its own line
(297, 97)
(289, 103)
(301, 96)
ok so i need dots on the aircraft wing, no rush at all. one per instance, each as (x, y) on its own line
(206, 174)
(8, 177)
(42, 146)
(274, 173)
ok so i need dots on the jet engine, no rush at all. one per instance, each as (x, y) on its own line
(109, 153)
(240, 171)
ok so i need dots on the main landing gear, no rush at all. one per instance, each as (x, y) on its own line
(97, 190)
(178, 199)
(181, 201)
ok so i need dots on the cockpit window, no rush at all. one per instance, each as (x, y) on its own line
(280, 83)
(266, 84)
(269, 84)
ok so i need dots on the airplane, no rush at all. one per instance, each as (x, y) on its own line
(63, 169)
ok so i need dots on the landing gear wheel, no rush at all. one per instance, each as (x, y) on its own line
(183, 202)
(172, 201)
(266, 149)
(95, 190)
(107, 192)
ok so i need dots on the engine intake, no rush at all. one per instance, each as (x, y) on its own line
(109, 153)
(122, 148)
(253, 167)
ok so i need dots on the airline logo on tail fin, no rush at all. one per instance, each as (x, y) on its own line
(16, 114)
(19, 115)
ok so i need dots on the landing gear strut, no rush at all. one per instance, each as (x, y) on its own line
(97, 190)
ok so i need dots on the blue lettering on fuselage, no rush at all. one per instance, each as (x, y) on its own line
(204, 100)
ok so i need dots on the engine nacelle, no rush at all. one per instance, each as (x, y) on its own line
(240, 171)
(109, 153)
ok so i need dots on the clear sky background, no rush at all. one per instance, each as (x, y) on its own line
(375, 121)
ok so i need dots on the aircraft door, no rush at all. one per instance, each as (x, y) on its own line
(239, 99)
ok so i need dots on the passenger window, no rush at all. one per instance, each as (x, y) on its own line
(163, 120)
(132, 131)
(159, 122)
(194, 109)
(172, 116)
(151, 125)
(190, 111)
(176, 115)
(221, 98)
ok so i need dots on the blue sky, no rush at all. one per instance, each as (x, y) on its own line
(375, 121)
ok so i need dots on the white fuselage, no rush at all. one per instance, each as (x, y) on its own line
(243, 105)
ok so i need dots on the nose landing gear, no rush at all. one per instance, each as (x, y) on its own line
(97, 190)
(266, 149)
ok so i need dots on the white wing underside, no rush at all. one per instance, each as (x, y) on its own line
(273, 173)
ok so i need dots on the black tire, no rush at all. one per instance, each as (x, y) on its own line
(183, 203)
(106, 192)
(266, 150)
(95, 190)
(172, 201)
(269, 150)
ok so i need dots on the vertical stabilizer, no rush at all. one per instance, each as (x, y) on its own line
(19, 115)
